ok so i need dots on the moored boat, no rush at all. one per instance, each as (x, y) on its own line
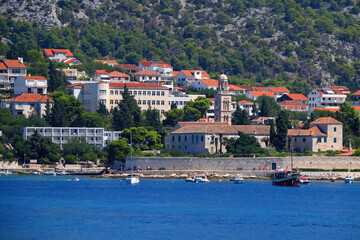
(239, 180)
(201, 179)
(190, 179)
(349, 179)
(286, 178)
(304, 180)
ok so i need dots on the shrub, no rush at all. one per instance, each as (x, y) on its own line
(313, 170)
(340, 170)
(172, 152)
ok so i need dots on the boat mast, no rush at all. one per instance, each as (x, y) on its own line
(130, 154)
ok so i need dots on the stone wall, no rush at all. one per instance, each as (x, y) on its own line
(323, 162)
(9, 165)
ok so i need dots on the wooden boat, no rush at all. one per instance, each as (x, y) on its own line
(286, 178)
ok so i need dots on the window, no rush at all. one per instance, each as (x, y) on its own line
(162, 112)
(153, 93)
(304, 139)
(116, 101)
(149, 93)
(192, 138)
(111, 101)
(334, 140)
(162, 102)
(153, 102)
(185, 138)
(139, 92)
(112, 92)
(157, 102)
(103, 101)
(102, 92)
(15, 70)
(130, 92)
(179, 146)
(197, 139)
(139, 102)
(144, 93)
(334, 129)
(158, 93)
(148, 102)
(202, 138)
(173, 138)
(116, 92)
(325, 140)
(179, 138)
(162, 93)
(144, 102)
(135, 92)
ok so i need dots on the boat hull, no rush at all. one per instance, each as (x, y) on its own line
(133, 180)
(289, 182)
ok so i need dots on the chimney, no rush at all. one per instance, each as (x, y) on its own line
(21, 59)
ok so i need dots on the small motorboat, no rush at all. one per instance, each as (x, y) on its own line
(133, 180)
(38, 172)
(239, 180)
(201, 179)
(190, 179)
(6, 173)
(349, 179)
(50, 173)
(76, 179)
(61, 173)
(304, 180)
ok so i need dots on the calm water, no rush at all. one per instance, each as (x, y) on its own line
(46, 207)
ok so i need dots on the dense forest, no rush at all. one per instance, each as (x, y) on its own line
(298, 44)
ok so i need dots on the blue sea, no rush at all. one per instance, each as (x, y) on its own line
(48, 207)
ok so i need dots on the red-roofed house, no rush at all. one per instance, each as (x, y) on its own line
(27, 104)
(278, 91)
(248, 106)
(255, 94)
(61, 55)
(325, 98)
(153, 77)
(115, 76)
(344, 90)
(112, 63)
(110, 94)
(236, 90)
(186, 78)
(257, 89)
(30, 84)
(9, 71)
(200, 84)
(293, 106)
(356, 96)
(131, 68)
(164, 69)
(324, 134)
(294, 97)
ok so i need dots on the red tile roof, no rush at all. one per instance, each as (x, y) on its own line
(278, 89)
(76, 85)
(292, 103)
(209, 82)
(314, 131)
(70, 60)
(146, 73)
(136, 85)
(297, 96)
(357, 93)
(344, 88)
(50, 52)
(14, 64)
(176, 73)
(262, 93)
(148, 63)
(245, 102)
(2, 66)
(106, 61)
(127, 66)
(31, 97)
(116, 73)
(236, 88)
(258, 88)
(326, 120)
(212, 99)
(34, 77)
(101, 72)
(188, 73)
(326, 109)
(357, 108)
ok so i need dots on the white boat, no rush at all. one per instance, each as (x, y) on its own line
(239, 180)
(50, 173)
(7, 172)
(190, 179)
(201, 179)
(62, 173)
(38, 172)
(76, 179)
(349, 179)
(133, 179)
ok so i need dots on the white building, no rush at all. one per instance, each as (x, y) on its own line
(254, 95)
(110, 94)
(27, 104)
(9, 71)
(147, 76)
(325, 98)
(112, 63)
(30, 84)
(277, 91)
(164, 69)
(201, 84)
(115, 76)
(59, 55)
(247, 106)
(180, 99)
(186, 78)
(60, 135)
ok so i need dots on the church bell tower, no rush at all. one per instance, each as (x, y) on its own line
(223, 101)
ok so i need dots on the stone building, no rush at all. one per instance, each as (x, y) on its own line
(324, 134)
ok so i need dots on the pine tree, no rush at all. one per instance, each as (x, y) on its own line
(240, 117)
(47, 115)
(282, 126)
(272, 133)
(102, 110)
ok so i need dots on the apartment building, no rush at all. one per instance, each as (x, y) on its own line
(61, 55)
(30, 84)
(9, 71)
(147, 76)
(61, 135)
(326, 98)
(186, 78)
(110, 94)
(164, 69)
